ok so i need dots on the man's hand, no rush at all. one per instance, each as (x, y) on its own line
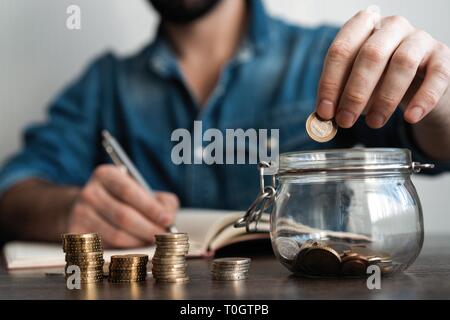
(123, 212)
(375, 64)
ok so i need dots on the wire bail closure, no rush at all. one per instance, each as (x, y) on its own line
(260, 205)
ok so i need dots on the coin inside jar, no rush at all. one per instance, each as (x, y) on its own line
(288, 248)
(320, 130)
(322, 260)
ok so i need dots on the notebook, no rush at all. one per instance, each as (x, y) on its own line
(209, 230)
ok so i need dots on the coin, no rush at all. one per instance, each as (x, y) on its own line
(174, 280)
(171, 237)
(171, 251)
(171, 243)
(299, 259)
(231, 268)
(287, 247)
(235, 277)
(322, 261)
(354, 266)
(169, 267)
(320, 130)
(129, 259)
(232, 261)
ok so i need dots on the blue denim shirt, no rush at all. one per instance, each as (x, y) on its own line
(270, 83)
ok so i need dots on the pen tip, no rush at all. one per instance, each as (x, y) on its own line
(106, 134)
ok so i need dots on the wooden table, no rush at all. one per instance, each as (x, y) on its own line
(428, 278)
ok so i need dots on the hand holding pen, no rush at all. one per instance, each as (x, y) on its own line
(120, 158)
(124, 212)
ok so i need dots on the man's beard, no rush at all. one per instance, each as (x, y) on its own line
(183, 11)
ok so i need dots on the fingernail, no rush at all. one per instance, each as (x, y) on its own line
(345, 118)
(325, 108)
(163, 218)
(376, 119)
(416, 114)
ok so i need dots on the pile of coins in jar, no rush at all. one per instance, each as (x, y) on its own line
(325, 258)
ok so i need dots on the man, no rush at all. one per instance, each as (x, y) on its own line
(229, 65)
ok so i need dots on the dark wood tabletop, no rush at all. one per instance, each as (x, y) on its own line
(428, 278)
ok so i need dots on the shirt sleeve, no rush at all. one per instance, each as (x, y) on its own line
(397, 133)
(63, 149)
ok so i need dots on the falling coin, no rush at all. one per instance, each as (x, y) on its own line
(320, 130)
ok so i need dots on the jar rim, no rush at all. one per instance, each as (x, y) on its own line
(354, 159)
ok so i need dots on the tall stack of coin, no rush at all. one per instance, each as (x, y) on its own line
(128, 268)
(85, 251)
(169, 261)
(230, 269)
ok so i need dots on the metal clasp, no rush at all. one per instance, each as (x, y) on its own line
(417, 167)
(260, 205)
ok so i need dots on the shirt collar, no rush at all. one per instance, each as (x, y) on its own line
(162, 59)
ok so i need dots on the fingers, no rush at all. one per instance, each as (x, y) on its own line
(85, 219)
(434, 86)
(400, 74)
(127, 190)
(368, 68)
(168, 200)
(120, 215)
(339, 61)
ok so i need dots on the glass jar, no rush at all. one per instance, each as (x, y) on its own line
(337, 212)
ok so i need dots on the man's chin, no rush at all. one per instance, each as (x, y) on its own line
(183, 11)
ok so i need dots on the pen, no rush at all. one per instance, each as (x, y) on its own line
(120, 158)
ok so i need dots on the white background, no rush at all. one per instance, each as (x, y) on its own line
(38, 56)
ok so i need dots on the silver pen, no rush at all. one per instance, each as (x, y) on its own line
(120, 158)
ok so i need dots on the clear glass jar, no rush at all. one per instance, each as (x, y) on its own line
(337, 212)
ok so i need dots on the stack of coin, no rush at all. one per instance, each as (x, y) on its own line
(84, 251)
(230, 269)
(169, 260)
(128, 268)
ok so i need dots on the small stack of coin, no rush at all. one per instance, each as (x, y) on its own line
(84, 251)
(230, 269)
(169, 260)
(128, 268)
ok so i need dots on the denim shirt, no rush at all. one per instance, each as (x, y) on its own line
(271, 82)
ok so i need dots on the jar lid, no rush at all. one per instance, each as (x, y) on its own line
(340, 160)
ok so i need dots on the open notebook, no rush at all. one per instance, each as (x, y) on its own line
(209, 230)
